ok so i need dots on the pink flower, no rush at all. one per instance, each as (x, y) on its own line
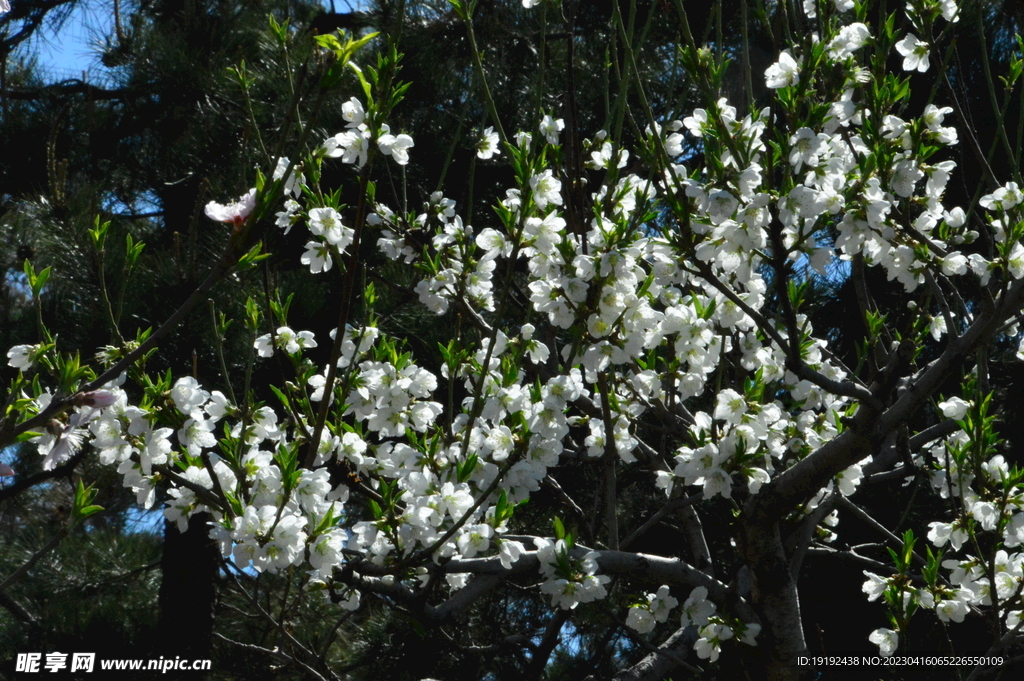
(236, 212)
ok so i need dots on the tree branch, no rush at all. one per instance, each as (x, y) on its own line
(662, 659)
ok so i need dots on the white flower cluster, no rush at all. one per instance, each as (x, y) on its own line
(656, 608)
(284, 339)
(353, 145)
(335, 237)
(569, 581)
(698, 611)
(988, 505)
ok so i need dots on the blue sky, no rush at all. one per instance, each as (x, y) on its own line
(72, 49)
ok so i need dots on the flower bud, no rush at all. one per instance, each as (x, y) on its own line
(96, 398)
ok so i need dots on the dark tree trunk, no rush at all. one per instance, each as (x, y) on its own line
(188, 592)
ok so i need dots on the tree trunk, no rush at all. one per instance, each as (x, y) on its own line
(187, 592)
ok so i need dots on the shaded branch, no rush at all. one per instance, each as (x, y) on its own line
(662, 659)
(73, 86)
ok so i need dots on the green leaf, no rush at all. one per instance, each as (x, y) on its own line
(367, 90)
(326, 523)
(328, 41)
(83, 506)
(41, 280)
(281, 396)
(88, 511)
(280, 31)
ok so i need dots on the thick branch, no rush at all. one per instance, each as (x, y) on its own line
(65, 88)
(663, 660)
(643, 568)
(868, 428)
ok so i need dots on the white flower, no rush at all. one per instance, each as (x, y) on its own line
(488, 146)
(721, 206)
(357, 148)
(730, 406)
(21, 357)
(546, 189)
(697, 609)
(850, 478)
(326, 222)
(933, 118)
(236, 212)
(602, 159)
(322, 220)
(905, 177)
(564, 593)
(640, 619)
(875, 586)
(950, 12)
(955, 217)
(782, 73)
(317, 256)
(915, 53)
(811, 7)
(886, 639)
(550, 128)
(155, 450)
(476, 539)
(986, 514)
(954, 608)
(954, 263)
(264, 346)
(509, 552)
(325, 551)
(697, 123)
(674, 143)
(709, 645)
(287, 217)
(352, 146)
(353, 113)
(294, 342)
(396, 147)
(756, 477)
(57, 447)
(187, 395)
(849, 39)
(663, 603)
(1004, 198)
(196, 435)
(940, 533)
(1015, 261)
(287, 340)
(954, 408)
(806, 146)
(293, 185)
